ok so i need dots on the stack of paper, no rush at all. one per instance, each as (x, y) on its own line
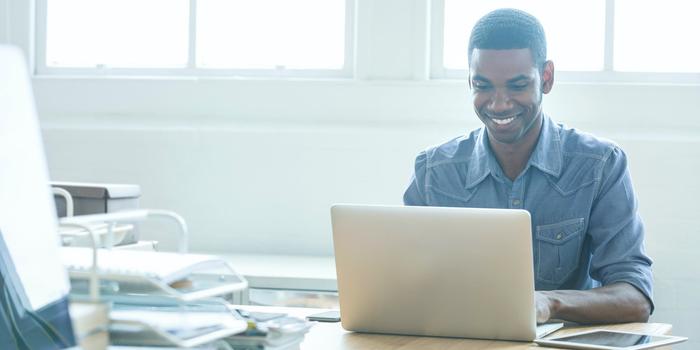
(169, 327)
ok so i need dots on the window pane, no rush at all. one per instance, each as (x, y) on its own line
(568, 45)
(656, 36)
(265, 34)
(117, 33)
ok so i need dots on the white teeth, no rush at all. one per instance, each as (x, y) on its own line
(503, 121)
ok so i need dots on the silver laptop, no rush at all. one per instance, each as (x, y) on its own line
(435, 271)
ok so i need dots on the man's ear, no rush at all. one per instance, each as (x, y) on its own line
(547, 77)
(469, 80)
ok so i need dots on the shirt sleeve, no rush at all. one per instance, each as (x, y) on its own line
(415, 193)
(617, 231)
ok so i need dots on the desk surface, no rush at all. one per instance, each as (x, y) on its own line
(296, 272)
(329, 336)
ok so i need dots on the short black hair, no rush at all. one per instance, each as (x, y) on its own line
(505, 29)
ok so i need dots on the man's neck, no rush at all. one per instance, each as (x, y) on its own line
(513, 157)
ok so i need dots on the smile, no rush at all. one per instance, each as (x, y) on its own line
(505, 121)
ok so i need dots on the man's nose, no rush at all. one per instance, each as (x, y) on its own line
(500, 102)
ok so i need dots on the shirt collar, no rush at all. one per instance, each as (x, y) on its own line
(546, 155)
(482, 162)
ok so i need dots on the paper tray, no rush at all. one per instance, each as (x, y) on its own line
(185, 277)
(138, 334)
(203, 286)
(135, 332)
(77, 237)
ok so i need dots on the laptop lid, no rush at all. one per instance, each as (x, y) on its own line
(454, 272)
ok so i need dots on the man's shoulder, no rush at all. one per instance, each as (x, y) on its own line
(576, 143)
(458, 149)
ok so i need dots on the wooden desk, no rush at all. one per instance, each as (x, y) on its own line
(330, 336)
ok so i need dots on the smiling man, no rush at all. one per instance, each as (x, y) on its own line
(588, 239)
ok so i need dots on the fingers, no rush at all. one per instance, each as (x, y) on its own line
(542, 307)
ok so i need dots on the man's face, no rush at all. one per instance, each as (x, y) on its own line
(507, 89)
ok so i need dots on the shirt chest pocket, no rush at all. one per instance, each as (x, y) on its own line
(558, 250)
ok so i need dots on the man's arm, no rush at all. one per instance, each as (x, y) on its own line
(414, 194)
(614, 303)
(619, 262)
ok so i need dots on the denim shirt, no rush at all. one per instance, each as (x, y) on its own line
(585, 225)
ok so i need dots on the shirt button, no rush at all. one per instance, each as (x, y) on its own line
(560, 235)
(516, 201)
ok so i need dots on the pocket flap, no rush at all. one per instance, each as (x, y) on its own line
(560, 232)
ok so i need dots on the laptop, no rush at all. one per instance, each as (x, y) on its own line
(436, 271)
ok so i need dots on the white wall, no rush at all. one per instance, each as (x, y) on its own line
(261, 179)
(4, 21)
(263, 184)
(254, 164)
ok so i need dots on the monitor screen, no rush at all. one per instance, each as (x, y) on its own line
(34, 287)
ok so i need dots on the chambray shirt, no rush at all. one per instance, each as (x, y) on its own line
(585, 225)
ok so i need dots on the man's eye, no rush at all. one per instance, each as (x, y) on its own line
(479, 86)
(520, 86)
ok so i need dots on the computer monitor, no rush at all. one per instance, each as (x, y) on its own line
(34, 286)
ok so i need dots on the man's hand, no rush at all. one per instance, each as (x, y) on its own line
(615, 303)
(543, 305)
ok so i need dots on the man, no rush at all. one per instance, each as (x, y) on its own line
(588, 239)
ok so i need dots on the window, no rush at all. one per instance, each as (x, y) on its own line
(297, 34)
(98, 33)
(570, 47)
(607, 38)
(240, 37)
(654, 36)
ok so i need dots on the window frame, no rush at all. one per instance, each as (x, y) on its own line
(191, 69)
(607, 75)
